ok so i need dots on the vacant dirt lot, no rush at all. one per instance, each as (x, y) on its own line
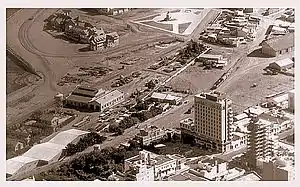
(14, 76)
(238, 87)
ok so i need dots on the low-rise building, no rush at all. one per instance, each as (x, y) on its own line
(44, 153)
(281, 100)
(161, 166)
(277, 170)
(20, 164)
(282, 64)
(278, 122)
(113, 11)
(165, 98)
(215, 169)
(279, 45)
(112, 39)
(215, 58)
(152, 134)
(239, 141)
(92, 99)
(252, 176)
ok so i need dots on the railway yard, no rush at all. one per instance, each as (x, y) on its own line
(146, 60)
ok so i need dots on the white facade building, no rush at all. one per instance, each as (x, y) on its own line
(161, 165)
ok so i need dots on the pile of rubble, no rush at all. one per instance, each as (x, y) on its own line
(125, 80)
(69, 79)
(94, 71)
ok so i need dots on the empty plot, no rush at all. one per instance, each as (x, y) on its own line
(182, 27)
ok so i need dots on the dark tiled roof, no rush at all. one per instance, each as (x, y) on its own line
(281, 42)
(78, 98)
(85, 91)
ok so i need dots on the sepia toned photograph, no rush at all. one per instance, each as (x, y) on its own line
(150, 94)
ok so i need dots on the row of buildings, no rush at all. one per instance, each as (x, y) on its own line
(44, 153)
(256, 130)
(81, 31)
(153, 167)
(232, 28)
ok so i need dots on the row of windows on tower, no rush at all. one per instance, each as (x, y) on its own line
(209, 133)
(204, 119)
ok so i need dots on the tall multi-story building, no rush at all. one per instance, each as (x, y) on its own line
(213, 121)
(261, 141)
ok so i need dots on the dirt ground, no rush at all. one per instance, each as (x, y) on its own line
(11, 11)
(238, 87)
(14, 76)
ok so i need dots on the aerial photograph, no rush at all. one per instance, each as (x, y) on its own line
(150, 94)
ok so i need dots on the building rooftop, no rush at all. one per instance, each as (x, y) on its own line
(241, 116)
(14, 164)
(255, 110)
(273, 119)
(86, 91)
(109, 97)
(78, 98)
(157, 95)
(187, 121)
(211, 56)
(162, 159)
(281, 98)
(66, 137)
(171, 97)
(248, 177)
(213, 160)
(213, 96)
(113, 34)
(281, 42)
(186, 176)
(284, 62)
(45, 151)
(235, 137)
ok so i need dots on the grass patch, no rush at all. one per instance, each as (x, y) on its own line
(147, 18)
(183, 27)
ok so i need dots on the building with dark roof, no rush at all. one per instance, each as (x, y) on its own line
(282, 64)
(93, 99)
(279, 45)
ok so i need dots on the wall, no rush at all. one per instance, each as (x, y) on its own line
(145, 174)
(27, 167)
(56, 157)
(266, 49)
(170, 165)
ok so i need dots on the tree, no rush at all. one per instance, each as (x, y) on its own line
(151, 85)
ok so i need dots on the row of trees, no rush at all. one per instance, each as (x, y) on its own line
(90, 166)
(141, 114)
(85, 142)
(192, 50)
